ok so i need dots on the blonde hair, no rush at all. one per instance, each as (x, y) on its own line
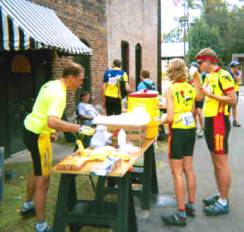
(177, 70)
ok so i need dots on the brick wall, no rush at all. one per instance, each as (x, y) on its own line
(133, 21)
(87, 20)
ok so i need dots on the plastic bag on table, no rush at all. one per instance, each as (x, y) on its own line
(101, 137)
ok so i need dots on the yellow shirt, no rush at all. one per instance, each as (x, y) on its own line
(235, 77)
(237, 85)
(184, 96)
(51, 101)
(219, 82)
(111, 79)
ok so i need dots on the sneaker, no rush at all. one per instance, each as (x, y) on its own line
(236, 124)
(216, 209)
(200, 133)
(190, 212)
(174, 220)
(27, 213)
(48, 229)
(211, 200)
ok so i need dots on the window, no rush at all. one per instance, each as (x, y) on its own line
(138, 61)
(125, 54)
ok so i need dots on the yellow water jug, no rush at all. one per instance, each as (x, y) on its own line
(148, 100)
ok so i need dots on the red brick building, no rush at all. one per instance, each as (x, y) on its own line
(26, 62)
(110, 28)
(87, 20)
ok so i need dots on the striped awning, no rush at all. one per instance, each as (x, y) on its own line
(25, 25)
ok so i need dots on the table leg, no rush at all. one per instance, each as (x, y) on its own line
(147, 178)
(133, 220)
(100, 188)
(154, 175)
(65, 201)
(124, 188)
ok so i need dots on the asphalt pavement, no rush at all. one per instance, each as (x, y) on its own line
(149, 221)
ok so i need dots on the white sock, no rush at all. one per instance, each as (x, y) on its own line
(223, 202)
(41, 226)
(28, 204)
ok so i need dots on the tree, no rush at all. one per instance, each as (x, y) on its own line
(201, 35)
(224, 20)
(173, 36)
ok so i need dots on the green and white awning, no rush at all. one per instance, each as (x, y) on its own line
(25, 25)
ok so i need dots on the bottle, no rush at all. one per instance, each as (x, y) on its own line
(122, 139)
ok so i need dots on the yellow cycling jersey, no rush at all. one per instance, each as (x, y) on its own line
(51, 101)
(184, 96)
(112, 80)
(237, 87)
(219, 83)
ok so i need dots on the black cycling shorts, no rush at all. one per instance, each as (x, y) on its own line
(181, 143)
(41, 152)
(199, 104)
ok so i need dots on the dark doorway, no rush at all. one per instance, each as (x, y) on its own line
(84, 60)
(22, 74)
(138, 53)
(125, 56)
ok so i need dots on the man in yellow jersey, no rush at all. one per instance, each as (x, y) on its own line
(39, 126)
(235, 73)
(219, 92)
(181, 98)
(112, 82)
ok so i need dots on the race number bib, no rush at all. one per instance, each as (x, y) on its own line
(112, 80)
(187, 119)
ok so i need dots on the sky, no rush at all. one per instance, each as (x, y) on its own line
(170, 11)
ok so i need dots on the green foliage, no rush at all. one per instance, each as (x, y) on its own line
(222, 25)
(201, 35)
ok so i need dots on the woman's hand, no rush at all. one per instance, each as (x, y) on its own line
(197, 78)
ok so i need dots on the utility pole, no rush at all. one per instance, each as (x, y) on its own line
(184, 21)
(159, 66)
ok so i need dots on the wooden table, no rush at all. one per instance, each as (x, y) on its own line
(120, 215)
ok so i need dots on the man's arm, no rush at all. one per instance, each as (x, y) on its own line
(85, 117)
(229, 98)
(127, 85)
(128, 88)
(60, 125)
(227, 85)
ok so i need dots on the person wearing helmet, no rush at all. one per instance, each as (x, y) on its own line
(234, 71)
(218, 89)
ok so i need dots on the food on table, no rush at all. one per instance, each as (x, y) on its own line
(81, 150)
(120, 154)
(76, 161)
(102, 153)
(72, 163)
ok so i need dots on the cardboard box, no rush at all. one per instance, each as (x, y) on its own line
(136, 135)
